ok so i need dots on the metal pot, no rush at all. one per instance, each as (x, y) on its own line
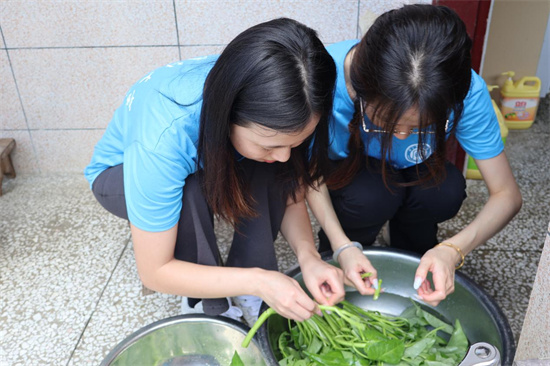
(481, 318)
(190, 340)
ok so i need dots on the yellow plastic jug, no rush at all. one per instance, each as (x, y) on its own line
(519, 101)
(472, 171)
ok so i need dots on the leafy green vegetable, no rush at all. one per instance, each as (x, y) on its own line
(236, 360)
(390, 351)
(349, 335)
(377, 291)
(266, 314)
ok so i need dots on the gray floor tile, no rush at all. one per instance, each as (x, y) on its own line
(122, 310)
(506, 276)
(54, 263)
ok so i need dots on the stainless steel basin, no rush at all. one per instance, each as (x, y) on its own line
(190, 340)
(479, 315)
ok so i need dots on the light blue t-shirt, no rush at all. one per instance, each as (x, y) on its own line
(478, 131)
(155, 134)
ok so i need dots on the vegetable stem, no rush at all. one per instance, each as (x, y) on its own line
(378, 289)
(266, 314)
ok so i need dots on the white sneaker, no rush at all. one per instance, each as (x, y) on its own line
(386, 233)
(233, 312)
(250, 306)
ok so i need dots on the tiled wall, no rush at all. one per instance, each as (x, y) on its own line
(65, 65)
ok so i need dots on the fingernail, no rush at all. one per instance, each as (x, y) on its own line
(417, 282)
(375, 283)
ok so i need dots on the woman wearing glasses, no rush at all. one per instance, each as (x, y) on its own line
(240, 136)
(401, 92)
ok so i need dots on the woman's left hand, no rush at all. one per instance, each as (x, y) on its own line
(354, 263)
(325, 282)
(440, 261)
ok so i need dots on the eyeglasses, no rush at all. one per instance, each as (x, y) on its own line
(411, 131)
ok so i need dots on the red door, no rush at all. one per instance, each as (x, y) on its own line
(474, 13)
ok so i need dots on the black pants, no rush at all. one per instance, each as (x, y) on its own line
(253, 238)
(366, 204)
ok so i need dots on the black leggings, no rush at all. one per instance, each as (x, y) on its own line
(253, 238)
(366, 204)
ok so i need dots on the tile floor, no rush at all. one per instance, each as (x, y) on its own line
(69, 290)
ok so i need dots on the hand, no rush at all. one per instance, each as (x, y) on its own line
(285, 295)
(441, 262)
(324, 281)
(354, 263)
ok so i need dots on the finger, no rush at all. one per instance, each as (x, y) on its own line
(335, 291)
(318, 292)
(372, 279)
(443, 282)
(305, 308)
(421, 274)
(326, 290)
(363, 285)
(434, 298)
(426, 286)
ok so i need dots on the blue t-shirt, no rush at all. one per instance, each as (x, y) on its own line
(478, 131)
(154, 133)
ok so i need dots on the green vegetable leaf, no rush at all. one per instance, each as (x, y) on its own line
(236, 360)
(447, 362)
(372, 334)
(418, 347)
(409, 313)
(458, 338)
(314, 346)
(285, 349)
(458, 344)
(333, 358)
(437, 323)
(390, 351)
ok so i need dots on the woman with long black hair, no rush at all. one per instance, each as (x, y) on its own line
(240, 137)
(401, 91)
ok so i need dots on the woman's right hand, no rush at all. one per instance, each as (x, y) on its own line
(285, 295)
(354, 263)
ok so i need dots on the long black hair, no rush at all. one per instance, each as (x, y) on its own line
(417, 56)
(276, 74)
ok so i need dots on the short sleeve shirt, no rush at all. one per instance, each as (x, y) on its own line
(478, 131)
(154, 133)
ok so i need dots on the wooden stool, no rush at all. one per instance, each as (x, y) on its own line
(6, 167)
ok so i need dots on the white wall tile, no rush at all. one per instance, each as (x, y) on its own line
(11, 113)
(81, 87)
(217, 22)
(23, 156)
(369, 10)
(71, 23)
(65, 150)
(197, 51)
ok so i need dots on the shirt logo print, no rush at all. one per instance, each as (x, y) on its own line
(412, 155)
(146, 78)
(129, 100)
